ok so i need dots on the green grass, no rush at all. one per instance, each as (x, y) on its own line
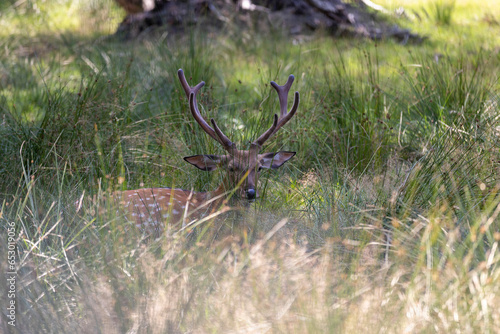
(393, 142)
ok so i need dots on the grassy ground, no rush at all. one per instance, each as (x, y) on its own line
(394, 143)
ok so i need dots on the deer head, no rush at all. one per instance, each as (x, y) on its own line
(241, 164)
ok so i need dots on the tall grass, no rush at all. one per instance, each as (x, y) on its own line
(386, 219)
(442, 11)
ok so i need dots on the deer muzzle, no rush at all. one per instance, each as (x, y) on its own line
(250, 193)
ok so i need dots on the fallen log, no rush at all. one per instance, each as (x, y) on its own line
(294, 16)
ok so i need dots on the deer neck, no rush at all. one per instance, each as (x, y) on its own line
(220, 193)
(215, 197)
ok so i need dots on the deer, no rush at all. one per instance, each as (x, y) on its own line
(154, 208)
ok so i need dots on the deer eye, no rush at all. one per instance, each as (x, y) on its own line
(260, 168)
(232, 169)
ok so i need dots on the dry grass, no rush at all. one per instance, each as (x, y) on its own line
(272, 284)
(386, 221)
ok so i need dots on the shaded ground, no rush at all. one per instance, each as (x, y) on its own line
(295, 17)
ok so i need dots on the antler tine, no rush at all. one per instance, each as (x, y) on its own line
(283, 93)
(265, 136)
(288, 116)
(188, 89)
(224, 140)
(193, 106)
(217, 135)
(284, 115)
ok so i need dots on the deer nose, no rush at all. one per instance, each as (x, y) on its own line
(250, 193)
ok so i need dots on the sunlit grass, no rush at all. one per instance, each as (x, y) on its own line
(472, 22)
(32, 18)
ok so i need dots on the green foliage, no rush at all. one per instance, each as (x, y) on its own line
(387, 218)
(442, 11)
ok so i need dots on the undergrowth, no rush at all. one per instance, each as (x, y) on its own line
(387, 217)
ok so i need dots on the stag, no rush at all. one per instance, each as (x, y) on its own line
(153, 208)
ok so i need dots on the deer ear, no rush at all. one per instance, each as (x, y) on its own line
(275, 160)
(206, 162)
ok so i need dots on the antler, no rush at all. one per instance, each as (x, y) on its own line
(193, 105)
(284, 116)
